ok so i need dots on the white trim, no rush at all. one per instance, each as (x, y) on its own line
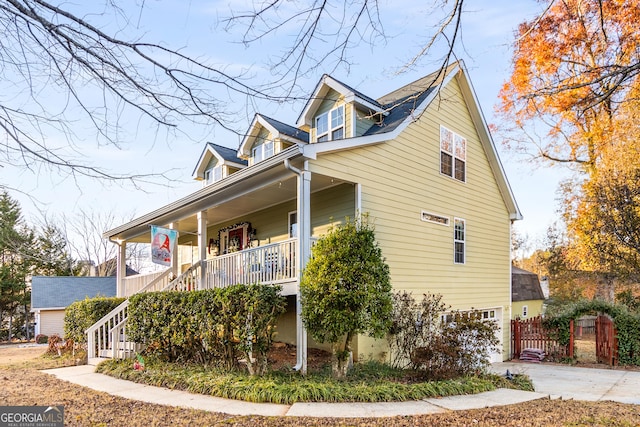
(463, 241)
(308, 112)
(289, 224)
(354, 117)
(358, 195)
(487, 141)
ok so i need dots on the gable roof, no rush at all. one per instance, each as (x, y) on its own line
(275, 127)
(525, 285)
(351, 95)
(406, 104)
(62, 291)
(224, 155)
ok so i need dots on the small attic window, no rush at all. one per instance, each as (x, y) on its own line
(212, 175)
(262, 151)
(330, 125)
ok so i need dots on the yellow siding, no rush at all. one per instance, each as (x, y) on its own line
(402, 177)
(534, 308)
(52, 322)
(327, 206)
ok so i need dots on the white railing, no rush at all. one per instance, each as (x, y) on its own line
(187, 281)
(268, 264)
(107, 337)
(134, 284)
(100, 334)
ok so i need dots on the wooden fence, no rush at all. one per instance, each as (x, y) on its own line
(532, 334)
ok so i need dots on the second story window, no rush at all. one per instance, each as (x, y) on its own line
(262, 151)
(459, 241)
(330, 125)
(453, 154)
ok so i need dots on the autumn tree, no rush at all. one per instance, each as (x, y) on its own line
(572, 69)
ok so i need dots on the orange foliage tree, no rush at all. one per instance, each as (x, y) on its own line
(572, 98)
(573, 67)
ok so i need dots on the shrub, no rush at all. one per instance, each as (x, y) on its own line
(421, 340)
(80, 315)
(413, 325)
(42, 339)
(208, 326)
(346, 290)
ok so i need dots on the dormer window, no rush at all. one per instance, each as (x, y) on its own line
(262, 151)
(212, 175)
(330, 125)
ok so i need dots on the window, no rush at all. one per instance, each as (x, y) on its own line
(458, 241)
(212, 175)
(438, 219)
(293, 224)
(330, 125)
(262, 151)
(525, 311)
(453, 154)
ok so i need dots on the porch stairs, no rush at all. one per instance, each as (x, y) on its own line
(107, 338)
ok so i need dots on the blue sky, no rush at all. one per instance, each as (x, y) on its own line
(196, 28)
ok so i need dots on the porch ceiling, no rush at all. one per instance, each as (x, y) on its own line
(256, 192)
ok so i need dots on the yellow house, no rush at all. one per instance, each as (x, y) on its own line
(419, 160)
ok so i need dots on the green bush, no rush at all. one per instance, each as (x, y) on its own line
(80, 315)
(346, 289)
(627, 326)
(209, 326)
(42, 339)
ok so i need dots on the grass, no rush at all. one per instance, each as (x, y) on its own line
(367, 382)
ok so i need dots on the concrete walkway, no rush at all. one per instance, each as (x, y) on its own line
(568, 382)
(555, 381)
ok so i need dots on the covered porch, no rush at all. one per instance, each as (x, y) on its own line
(256, 225)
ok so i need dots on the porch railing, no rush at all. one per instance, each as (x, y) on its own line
(268, 264)
(141, 282)
(107, 337)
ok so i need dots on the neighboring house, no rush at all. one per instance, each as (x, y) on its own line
(50, 296)
(527, 297)
(419, 160)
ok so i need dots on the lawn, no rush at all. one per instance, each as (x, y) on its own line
(22, 384)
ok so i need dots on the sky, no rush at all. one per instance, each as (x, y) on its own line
(197, 28)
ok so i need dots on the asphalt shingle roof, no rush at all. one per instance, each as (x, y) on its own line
(61, 291)
(227, 153)
(286, 129)
(525, 285)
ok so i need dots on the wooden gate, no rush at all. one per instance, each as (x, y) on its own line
(606, 340)
(532, 334)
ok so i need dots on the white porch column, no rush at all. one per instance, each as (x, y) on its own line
(202, 246)
(176, 252)
(121, 268)
(304, 252)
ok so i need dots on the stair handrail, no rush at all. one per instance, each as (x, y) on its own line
(113, 318)
(174, 285)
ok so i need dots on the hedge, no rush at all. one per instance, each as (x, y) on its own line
(81, 315)
(208, 326)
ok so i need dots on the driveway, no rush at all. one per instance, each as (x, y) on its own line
(568, 382)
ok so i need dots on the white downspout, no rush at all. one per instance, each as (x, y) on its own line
(303, 252)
